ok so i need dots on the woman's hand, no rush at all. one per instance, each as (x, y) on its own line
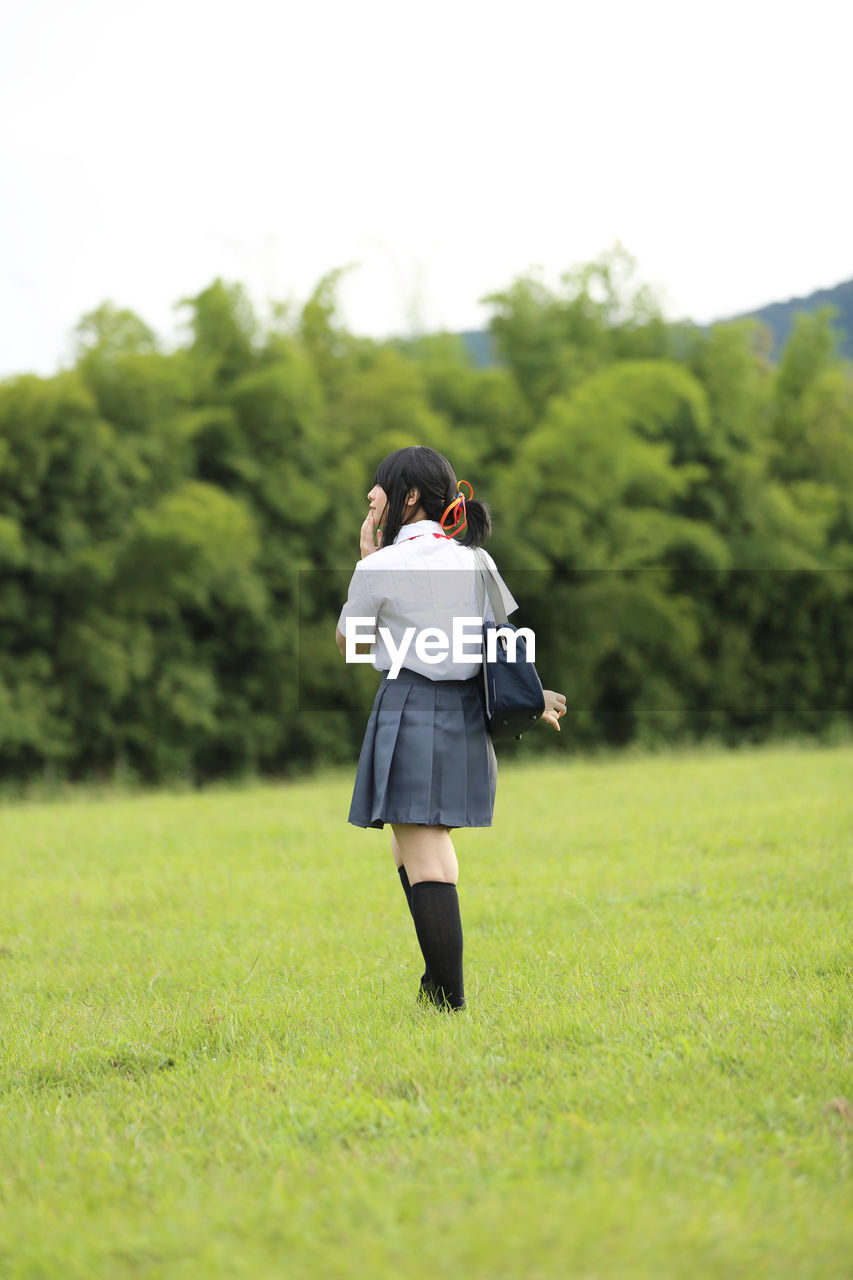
(371, 537)
(555, 706)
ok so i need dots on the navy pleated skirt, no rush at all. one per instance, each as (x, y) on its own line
(427, 756)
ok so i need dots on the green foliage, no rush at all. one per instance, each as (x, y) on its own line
(109, 332)
(177, 528)
(196, 543)
(551, 341)
(224, 334)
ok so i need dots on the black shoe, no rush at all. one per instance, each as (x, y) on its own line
(429, 993)
(426, 991)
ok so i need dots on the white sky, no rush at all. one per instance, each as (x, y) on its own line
(446, 147)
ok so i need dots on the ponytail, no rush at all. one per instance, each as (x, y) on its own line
(479, 526)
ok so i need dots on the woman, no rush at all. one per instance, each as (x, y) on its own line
(427, 763)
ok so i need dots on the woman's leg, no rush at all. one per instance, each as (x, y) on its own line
(426, 981)
(395, 851)
(428, 859)
(427, 853)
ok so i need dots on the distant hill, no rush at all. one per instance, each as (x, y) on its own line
(481, 349)
(778, 316)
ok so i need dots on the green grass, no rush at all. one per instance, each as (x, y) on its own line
(213, 1064)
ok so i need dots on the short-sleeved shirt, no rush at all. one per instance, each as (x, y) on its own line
(423, 580)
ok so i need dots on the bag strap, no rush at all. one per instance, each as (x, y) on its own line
(487, 582)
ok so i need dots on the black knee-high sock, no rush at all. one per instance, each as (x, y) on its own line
(407, 889)
(435, 911)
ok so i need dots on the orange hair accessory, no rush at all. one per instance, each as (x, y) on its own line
(457, 511)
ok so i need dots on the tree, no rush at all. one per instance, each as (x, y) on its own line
(225, 334)
(551, 341)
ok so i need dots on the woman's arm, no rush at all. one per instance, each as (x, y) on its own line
(370, 540)
(341, 640)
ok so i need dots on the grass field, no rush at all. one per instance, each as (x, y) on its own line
(213, 1064)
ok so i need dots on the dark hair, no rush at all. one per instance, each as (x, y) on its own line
(418, 467)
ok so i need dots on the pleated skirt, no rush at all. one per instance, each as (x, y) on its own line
(427, 756)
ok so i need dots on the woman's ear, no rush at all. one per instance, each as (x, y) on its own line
(413, 497)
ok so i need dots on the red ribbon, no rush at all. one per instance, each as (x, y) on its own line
(457, 510)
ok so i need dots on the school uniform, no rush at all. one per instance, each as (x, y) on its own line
(427, 756)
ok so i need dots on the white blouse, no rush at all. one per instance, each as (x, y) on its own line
(410, 585)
